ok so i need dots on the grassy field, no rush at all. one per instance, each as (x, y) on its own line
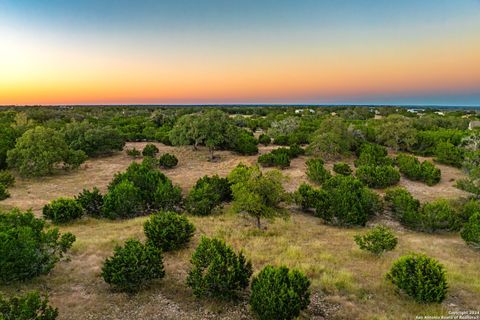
(346, 282)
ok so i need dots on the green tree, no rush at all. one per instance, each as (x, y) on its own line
(396, 132)
(30, 306)
(256, 193)
(332, 140)
(28, 249)
(279, 293)
(37, 152)
(93, 140)
(217, 271)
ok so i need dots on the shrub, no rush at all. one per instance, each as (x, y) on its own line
(242, 142)
(150, 150)
(306, 196)
(147, 188)
(346, 201)
(134, 153)
(74, 159)
(4, 194)
(122, 201)
(279, 293)
(264, 139)
(217, 271)
(342, 168)
(409, 166)
(208, 193)
(403, 206)
(281, 140)
(431, 175)
(6, 179)
(447, 153)
(62, 210)
(372, 154)
(378, 240)
(168, 230)
(378, 176)
(471, 230)
(132, 266)
(414, 170)
(439, 215)
(420, 277)
(294, 151)
(167, 161)
(27, 248)
(277, 159)
(316, 171)
(167, 196)
(91, 202)
(30, 306)
(202, 200)
(468, 209)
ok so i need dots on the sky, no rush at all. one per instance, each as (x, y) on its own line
(240, 52)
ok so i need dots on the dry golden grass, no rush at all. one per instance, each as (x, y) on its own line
(347, 283)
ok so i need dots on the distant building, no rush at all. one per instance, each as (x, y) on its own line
(473, 124)
(303, 110)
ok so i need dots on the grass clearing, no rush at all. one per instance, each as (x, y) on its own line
(347, 283)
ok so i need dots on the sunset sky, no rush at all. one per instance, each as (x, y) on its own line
(240, 51)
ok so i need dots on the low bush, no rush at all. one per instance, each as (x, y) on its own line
(316, 171)
(411, 167)
(306, 196)
(342, 168)
(378, 240)
(449, 154)
(420, 277)
(373, 155)
(30, 306)
(279, 293)
(166, 197)
(122, 201)
(243, 143)
(91, 202)
(4, 194)
(62, 210)
(468, 209)
(280, 157)
(471, 230)
(6, 179)
(139, 190)
(403, 206)
(439, 215)
(134, 153)
(167, 161)
(281, 160)
(294, 151)
(27, 248)
(168, 230)
(378, 176)
(431, 175)
(132, 266)
(264, 139)
(150, 150)
(217, 271)
(208, 193)
(344, 200)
